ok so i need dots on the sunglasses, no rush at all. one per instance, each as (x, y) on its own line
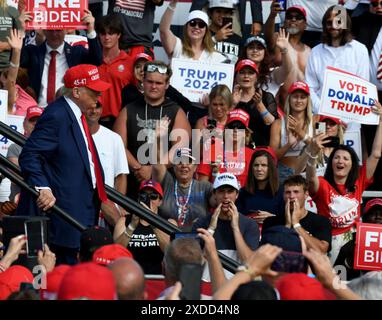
(197, 23)
(151, 196)
(155, 68)
(291, 16)
(375, 4)
(236, 125)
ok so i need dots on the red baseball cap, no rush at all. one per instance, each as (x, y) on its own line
(336, 120)
(87, 280)
(152, 185)
(298, 8)
(53, 281)
(143, 55)
(85, 75)
(34, 111)
(246, 63)
(372, 203)
(299, 85)
(11, 279)
(268, 150)
(110, 252)
(238, 115)
(299, 286)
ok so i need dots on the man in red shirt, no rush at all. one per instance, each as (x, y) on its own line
(115, 69)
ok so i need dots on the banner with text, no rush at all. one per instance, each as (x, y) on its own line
(348, 97)
(16, 123)
(194, 79)
(56, 14)
(368, 247)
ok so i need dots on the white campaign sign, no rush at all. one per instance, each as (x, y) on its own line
(348, 97)
(16, 123)
(3, 105)
(353, 139)
(194, 79)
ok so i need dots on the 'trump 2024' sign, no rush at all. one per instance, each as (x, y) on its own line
(348, 97)
(194, 78)
(368, 249)
(56, 14)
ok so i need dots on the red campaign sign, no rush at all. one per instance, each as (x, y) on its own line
(368, 247)
(56, 14)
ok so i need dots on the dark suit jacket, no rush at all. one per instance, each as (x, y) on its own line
(55, 156)
(32, 58)
(366, 28)
(256, 10)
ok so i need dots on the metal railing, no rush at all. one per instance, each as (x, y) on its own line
(115, 196)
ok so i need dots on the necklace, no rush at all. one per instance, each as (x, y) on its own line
(182, 208)
(151, 135)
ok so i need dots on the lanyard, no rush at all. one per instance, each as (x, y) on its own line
(182, 208)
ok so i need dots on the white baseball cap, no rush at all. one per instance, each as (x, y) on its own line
(198, 14)
(221, 4)
(226, 179)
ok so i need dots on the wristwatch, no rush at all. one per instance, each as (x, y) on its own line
(296, 225)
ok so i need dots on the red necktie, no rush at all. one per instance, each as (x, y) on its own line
(97, 168)
(52, 77)
(379, 68)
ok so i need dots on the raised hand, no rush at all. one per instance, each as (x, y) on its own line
(15, 39)
(282, 41)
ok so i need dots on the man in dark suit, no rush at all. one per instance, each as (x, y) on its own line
(256, 11)
(57, 161)
(37, 59)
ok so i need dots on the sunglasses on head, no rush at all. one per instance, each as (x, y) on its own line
(155, 68)
(150, 195)
(291, 16)
(197, 23)
(376, 3)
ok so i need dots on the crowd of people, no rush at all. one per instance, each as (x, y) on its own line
(235, 171)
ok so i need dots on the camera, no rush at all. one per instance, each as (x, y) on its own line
(320, 127)
(333, 143)
(211, 124)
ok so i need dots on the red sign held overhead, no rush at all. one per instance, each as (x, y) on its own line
(368, 248)
(56, 14)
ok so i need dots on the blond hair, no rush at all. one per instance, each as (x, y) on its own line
(207, 43)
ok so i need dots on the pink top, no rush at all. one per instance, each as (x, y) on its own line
(23, 102)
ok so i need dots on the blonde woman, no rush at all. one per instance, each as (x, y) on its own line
(197, 42)
(291, 134)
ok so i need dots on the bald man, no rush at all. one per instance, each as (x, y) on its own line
(130, 279)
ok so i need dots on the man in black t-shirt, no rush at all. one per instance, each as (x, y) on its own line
(313, 228)
(226, 41)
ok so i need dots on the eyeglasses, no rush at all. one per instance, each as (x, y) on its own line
(151, 196)
(197, 23)
(155, 68)
(290, 16)
(375, 4)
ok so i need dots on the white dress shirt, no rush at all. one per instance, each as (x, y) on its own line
(77, 112)
(61, 67)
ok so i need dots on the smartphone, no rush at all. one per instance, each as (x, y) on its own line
(320, 127)
(211, 124)
(281, 5)
(190, 276)
(193, 235)
(227, 20)
(291, 262)
(144, 198)
(333, 143)
(35, 236)
(253, 213)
